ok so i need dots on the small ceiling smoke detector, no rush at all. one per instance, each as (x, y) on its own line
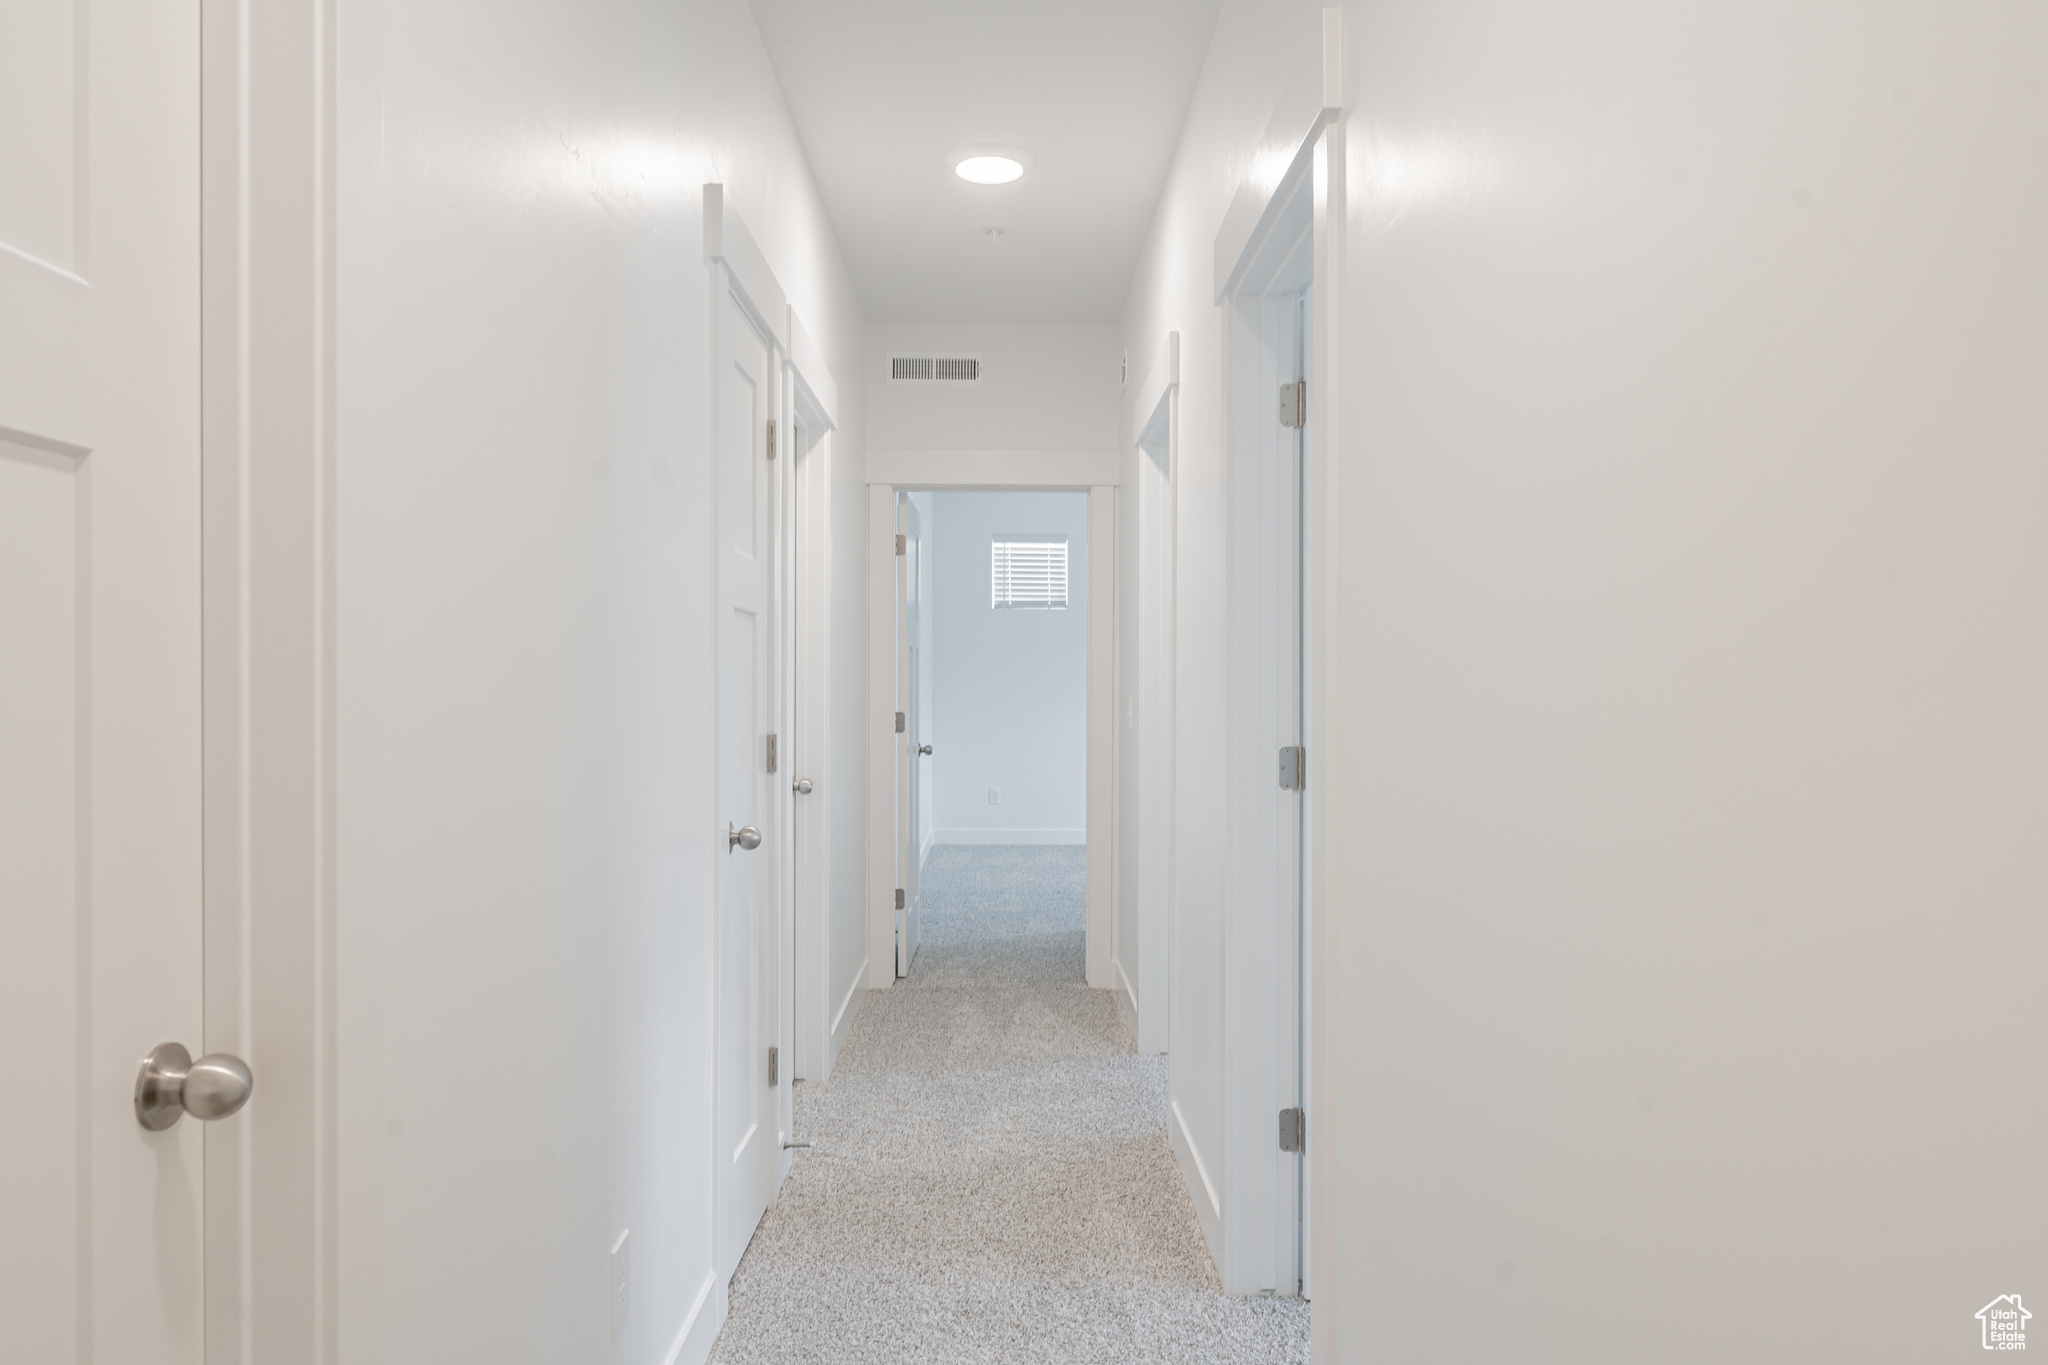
(983, 164)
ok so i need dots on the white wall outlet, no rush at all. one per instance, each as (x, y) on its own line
(622, 1282)
(995, 796)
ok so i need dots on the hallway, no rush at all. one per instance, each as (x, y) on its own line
(1329, 681)
(989, 1178)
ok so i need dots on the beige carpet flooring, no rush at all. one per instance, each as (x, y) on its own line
(990, 1180)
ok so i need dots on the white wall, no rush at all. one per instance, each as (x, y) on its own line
(1044, 386)
(1009, 687)
(1687, 762)
(525, 598)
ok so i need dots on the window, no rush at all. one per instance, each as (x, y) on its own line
(1027, 571)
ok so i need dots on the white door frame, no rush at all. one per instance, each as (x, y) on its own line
(1261, 1001)
(1093, 472)
(811, 423)
(1263, 911)
(1145, 799)
(268, 227)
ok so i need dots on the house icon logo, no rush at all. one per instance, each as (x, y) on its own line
(2005, 1323)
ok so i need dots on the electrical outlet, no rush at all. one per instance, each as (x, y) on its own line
(622, 1282)
(995, 796)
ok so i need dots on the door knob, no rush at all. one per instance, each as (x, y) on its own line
(746, 836)
(803, 786)
(924, 748)
(172, 1085)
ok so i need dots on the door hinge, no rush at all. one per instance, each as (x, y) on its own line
(771, 438)
(1293, 768)
(899, 722)
(772, 1068)
(771, 753)
(899, 898)
(1294, 1130)
(1294, 404)
(902, 541)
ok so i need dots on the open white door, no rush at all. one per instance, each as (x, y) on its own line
(101, 1220)
(748, 1007)
(908, 844)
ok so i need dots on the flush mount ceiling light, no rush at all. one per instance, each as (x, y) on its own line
(989, 170)
(988, 165)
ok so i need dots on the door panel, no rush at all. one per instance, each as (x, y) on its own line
(42, 72)
(908, 844)
(748, 994)
(100, 1251)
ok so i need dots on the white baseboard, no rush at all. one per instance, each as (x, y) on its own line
(1010, 836)
(1201, 1190)
(842, 1020)
(1127, 998)
(701, 1328)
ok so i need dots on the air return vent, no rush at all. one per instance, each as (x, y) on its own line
(934, 369)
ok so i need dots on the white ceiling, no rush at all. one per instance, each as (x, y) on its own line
(1093, 89)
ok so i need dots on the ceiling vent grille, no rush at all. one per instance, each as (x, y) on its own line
(929, 369)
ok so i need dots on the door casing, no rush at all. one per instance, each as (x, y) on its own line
(892, 471)
(1258, 1215)
(1145, 682)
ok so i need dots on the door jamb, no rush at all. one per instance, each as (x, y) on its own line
(269, 158)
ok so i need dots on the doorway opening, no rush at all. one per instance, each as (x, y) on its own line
(921, 801)
(992, 680)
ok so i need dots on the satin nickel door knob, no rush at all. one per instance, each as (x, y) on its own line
(803, 786)
(746, 836)
(924, 749)
(172, 1085)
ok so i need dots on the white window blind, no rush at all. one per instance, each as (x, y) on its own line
(1027, 571)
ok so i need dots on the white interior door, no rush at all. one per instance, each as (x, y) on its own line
(747, 1119)
(100, 876)
(908, 843)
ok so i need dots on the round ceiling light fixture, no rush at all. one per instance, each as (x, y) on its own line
(988, 165)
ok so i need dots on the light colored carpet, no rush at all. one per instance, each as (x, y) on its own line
(991, 1179)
